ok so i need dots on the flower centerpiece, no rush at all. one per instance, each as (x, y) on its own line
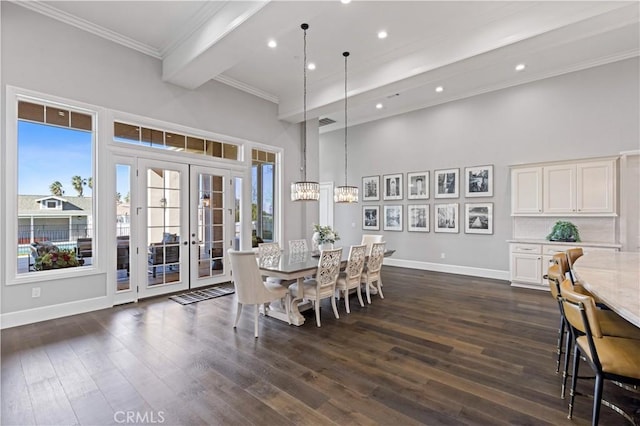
(57, 259)
(324, 236)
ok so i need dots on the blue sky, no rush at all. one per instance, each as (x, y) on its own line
(49, 153)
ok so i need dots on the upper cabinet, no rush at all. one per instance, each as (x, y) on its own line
(581, 188)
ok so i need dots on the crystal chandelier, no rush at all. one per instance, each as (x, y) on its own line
(346, 193)
(305, 190)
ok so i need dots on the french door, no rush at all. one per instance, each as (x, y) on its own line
(178, 227)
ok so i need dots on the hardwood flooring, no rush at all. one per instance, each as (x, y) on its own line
(439, 349)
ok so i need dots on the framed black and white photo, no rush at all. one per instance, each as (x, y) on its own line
(370, 215)
(393, 187)
(479, 181)
(393, 218)
(418, 186)
(447, 183)
(478, 218)
(418, 217)
(371, 188)
(446, 217)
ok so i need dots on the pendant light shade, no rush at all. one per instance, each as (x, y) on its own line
(346, 193)
(305, 190)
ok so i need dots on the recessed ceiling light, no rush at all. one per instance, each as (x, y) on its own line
(382, 34)
(439, 89)
(311, 66)
(520, 67)
(345, 1)
(379, 106)
(272, 44)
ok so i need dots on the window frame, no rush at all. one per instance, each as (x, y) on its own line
(13, 96)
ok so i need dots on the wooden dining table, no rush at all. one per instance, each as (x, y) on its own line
(295, 267)
(615, 278)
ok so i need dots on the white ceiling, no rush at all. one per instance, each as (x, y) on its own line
(468, 47)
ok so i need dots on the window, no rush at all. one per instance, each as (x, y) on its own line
(263, 172)
(136, 135)
(55, 187)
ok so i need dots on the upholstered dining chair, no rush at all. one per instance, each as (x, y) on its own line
(323, 286)
(297, 246)
(251, 289)
(555, 277)
(352, 274)
(371, 274)
(369, 239)
(573, 254)
(611, 358)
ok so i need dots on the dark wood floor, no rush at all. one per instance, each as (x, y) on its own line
(440, 349)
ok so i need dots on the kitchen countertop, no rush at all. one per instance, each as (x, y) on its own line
(568, 244)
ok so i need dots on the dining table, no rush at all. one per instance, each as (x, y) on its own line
(291, 267)
(614, 277)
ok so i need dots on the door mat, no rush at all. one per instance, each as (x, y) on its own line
(203, 294)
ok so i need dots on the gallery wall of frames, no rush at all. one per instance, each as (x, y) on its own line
(391, 189)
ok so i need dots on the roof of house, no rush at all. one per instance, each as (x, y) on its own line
(29, 205)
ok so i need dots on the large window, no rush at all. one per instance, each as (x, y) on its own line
(263, 171)
(55, 187)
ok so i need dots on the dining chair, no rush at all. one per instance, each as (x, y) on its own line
(323, 286)
(611, 358)
(268, 254)
(555, 277)
(573, 254)
(371, 274)
(369, 239)
(352, 274)
(250, 289)
(297, 246)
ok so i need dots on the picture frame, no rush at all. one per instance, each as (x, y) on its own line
(393, 187)
(418, 217)
(446, 217)
(478, 218)
(447, 183)
(393, 218)
(418, 186)
(371, 188)
(371, 217)
(479, 181)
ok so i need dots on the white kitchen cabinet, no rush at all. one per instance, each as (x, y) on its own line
(526, 264)
(578, 188)
(526, 190)
(530, 262)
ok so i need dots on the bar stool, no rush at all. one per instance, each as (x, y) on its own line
(611, 358)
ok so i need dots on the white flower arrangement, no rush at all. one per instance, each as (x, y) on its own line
(324, 234)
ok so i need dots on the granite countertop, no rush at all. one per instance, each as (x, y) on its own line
(560, 243)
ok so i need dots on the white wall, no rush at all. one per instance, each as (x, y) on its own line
(47, 56)
(588, 113)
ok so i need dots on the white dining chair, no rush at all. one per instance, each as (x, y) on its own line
(251, 289)
(298, 246)
(268, 254)
(371, 275)
(369, 239)
(350, 278)
(323, 286)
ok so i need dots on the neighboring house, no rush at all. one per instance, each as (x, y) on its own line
(53, 218)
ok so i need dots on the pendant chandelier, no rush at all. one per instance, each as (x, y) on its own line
(305, 190)
(346, 193)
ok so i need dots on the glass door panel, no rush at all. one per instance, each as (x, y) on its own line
(210, 189)
(165, 221)
(124, 240)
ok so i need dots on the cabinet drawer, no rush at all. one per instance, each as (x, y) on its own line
(526, 248)
(551, 250)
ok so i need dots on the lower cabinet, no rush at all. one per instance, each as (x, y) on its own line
(530, 262)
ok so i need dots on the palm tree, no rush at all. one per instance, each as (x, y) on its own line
(90, 183)
(118, 198)
(77, 182)
(127, 197)
(56, 188)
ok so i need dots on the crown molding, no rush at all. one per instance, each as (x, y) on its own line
(246, 88)
(67, 18)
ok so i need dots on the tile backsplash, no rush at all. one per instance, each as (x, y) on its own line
(592, 229)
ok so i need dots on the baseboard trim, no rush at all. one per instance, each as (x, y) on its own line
(450, 269)
(30, 316)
